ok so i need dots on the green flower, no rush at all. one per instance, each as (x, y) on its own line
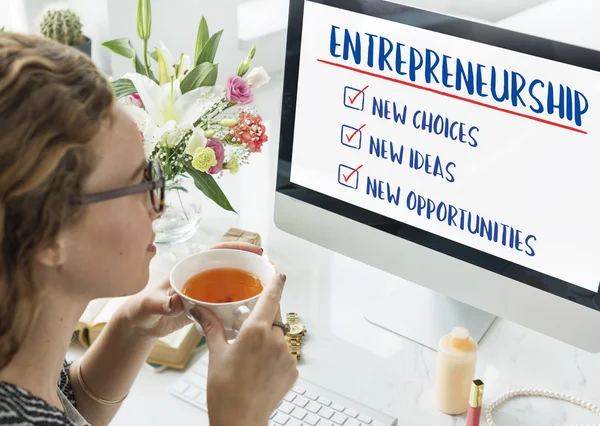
(232, 165)
(204, 159)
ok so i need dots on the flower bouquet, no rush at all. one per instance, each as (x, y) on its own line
(193, 127)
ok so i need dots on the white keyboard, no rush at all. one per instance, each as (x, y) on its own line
(305, 405)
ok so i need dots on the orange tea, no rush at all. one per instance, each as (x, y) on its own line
(222, 285)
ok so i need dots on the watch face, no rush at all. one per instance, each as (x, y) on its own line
(296, 329)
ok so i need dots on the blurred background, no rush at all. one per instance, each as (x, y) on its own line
(263, 22)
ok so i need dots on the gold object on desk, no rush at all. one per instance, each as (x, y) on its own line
(295, 335)
(235, 234)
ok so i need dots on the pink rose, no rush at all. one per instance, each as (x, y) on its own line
(238, 91)
(216, 145)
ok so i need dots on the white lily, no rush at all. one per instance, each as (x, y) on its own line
(166, 108)
(166, 64)
(171, 68)
(197, 140)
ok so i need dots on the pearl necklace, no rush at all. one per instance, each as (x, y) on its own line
(537, 392)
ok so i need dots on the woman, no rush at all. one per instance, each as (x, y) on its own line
(63, 141)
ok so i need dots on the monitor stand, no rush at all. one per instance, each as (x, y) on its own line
(424, 316)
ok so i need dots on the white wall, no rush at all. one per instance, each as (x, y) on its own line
(94, 15)
(12, 15)
(176, 21)
(486, 10)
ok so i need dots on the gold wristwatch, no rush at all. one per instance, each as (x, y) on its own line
(295, 335)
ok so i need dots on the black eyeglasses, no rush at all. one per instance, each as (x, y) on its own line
(154, 182)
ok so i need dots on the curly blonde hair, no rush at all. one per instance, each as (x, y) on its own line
(53, 101)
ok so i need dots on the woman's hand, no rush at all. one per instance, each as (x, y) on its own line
(248, 378)
(157, 311)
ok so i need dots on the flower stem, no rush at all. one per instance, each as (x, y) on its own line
(181, 202)
(146, 57)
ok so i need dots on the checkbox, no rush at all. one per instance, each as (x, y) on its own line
(348, 176)
(351, 136)
(354, 98)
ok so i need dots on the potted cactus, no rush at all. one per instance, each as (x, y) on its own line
(64, 26)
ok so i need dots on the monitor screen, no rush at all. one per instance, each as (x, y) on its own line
(472, 140)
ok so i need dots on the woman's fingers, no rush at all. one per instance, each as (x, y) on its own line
(267, 305)
(238, 245)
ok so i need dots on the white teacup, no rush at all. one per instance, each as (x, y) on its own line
(233, 314)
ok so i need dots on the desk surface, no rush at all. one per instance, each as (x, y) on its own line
(342, 350)
(361, 361)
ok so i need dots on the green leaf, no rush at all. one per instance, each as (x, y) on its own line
(178, 188)
(154, 55)
(124, 47)
(201, 39)
(139, 66)
(202, 75)
(123, 87)
(210, 49)
(209, 187)
(121, 46)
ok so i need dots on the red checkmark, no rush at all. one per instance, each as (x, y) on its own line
(347, 178)
(355, 132)
(352, 99)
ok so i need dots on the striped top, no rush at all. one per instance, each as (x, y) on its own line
(19, 407)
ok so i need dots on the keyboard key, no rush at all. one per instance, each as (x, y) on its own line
(181, 387)
(350, 413)
(290, 397)
(201, 398)
(365, 419)
(325, 423)
(285, 407)
(339, 419)
(299, 413)
(311, 395)
(192, 392)
(326, 413)
(300, 401)
(201, 369)
(293, 422)
(324, 401)
(313, 407)
(338, 407)
(273, 414)
(299, 391)
(281, 419)
(352, 422)
(311, 419)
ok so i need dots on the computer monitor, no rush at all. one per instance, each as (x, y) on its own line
(458, 156)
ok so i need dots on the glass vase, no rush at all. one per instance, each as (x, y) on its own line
(182, 214)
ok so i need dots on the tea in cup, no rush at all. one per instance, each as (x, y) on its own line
(226, 281)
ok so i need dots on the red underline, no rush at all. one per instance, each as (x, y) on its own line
(460, 98)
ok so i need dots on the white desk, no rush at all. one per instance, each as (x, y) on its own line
(344, 352)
